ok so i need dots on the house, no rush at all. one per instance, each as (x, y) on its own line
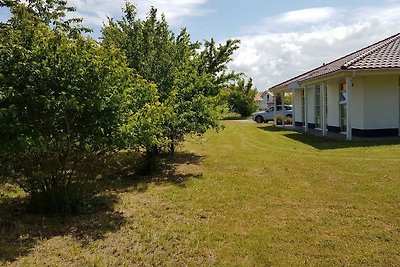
(356, 95)
(264, 100)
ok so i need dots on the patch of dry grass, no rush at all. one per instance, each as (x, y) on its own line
(250, 195)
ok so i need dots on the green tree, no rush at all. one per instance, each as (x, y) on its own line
(287, 101)
(240, 98)
(188, 76)
(50, 12)
(64, 103)
(148, 45)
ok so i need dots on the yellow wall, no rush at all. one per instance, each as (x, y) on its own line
(358, 104)
(375, 102)
(381, 102)
(333, 100)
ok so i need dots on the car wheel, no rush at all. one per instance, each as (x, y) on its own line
(259, 119)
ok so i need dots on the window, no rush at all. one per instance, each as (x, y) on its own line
(342, 93)
(343, 107)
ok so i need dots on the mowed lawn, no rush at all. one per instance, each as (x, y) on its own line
(250, 195)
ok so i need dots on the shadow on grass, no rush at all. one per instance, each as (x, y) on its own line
(175, 169)
(326, 143)
(168, 169)
(270, 128)
(20, 231)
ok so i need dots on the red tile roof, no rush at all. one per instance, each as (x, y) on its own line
(258, 96)
(384, 54)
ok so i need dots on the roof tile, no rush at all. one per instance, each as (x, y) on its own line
(384, 54)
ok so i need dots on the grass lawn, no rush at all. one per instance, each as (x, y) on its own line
(251, 195)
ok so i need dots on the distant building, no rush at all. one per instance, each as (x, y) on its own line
(264, 100)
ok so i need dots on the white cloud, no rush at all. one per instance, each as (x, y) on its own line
(309, 15)
(289, 51)
(95, 12)
(298, 19)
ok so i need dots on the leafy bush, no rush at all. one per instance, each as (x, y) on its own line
(188, 76)
(288, 120)
(63, 102)
(241, 103)
(67, 102)
(240, 98)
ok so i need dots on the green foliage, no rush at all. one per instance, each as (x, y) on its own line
(143, 129)
(188, 76)
(50, 12)
(148, 44)
(214, 60)
(287, 101)
(67, 102)
(63, 103)
(240, 98)
(288, 119)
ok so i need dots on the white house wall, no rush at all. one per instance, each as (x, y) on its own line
(263, 104)
(375, 104)
(297, 101)
(266, 102)
(357, 104)
(333, 106)
(310, 104)
(381, 98)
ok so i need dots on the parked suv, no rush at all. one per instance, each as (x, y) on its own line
(268, 114)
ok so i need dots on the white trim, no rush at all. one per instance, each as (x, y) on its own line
(283, 109)
(324, 130)
(317, 99)
(348, 111)
(305, 109)
(274, 109)
(293, 108)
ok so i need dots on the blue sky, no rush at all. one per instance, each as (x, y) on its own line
(279, 39)
(230, 18)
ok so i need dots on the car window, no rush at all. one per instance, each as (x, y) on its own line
(288, 107)
(270, 109)
(278, 108)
